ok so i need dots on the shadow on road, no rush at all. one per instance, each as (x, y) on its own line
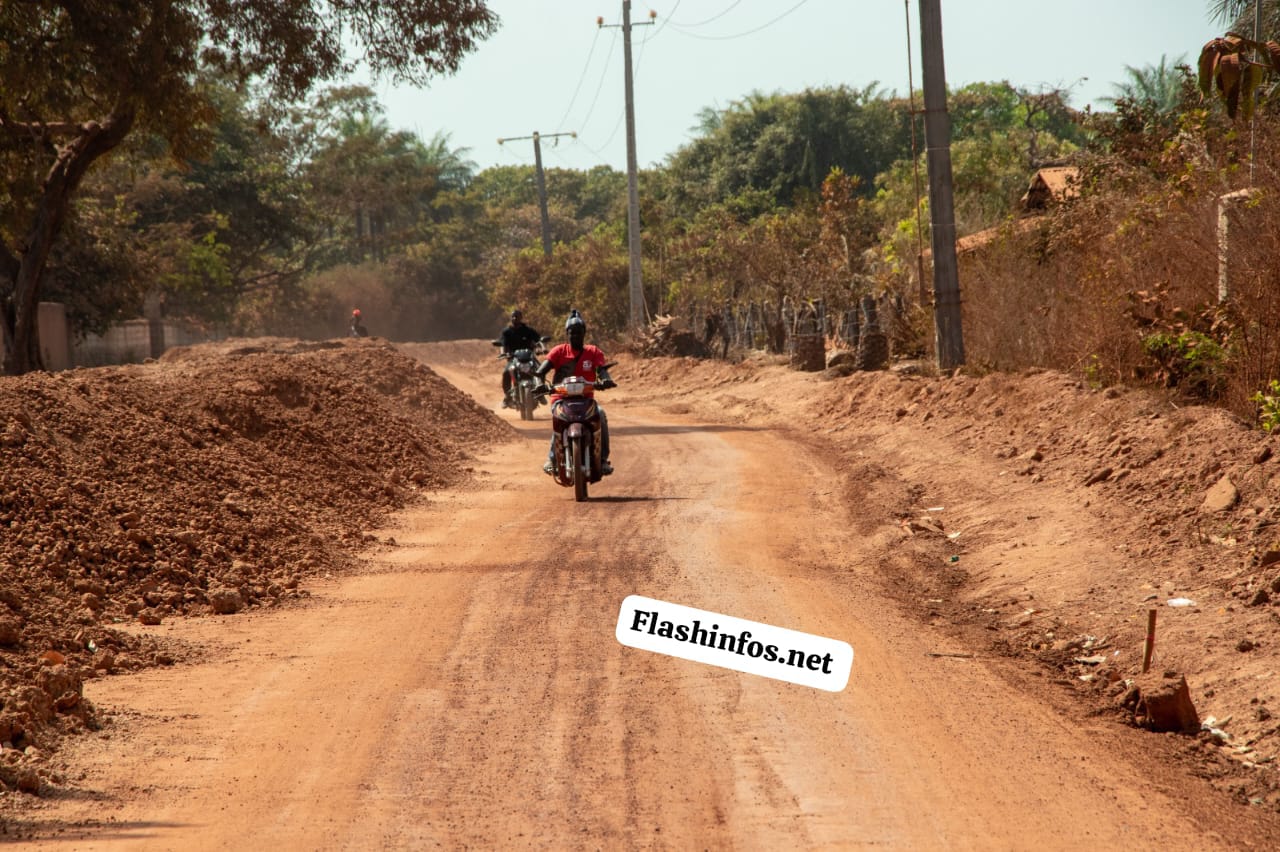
(631, 499)
(73, 832)
(677, 430)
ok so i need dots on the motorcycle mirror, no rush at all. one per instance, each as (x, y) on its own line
(546, 339)
(610, 364)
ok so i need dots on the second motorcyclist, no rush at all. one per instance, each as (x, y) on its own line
(515, 336)
(579, 358)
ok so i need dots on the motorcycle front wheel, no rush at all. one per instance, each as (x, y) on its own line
(579, 449)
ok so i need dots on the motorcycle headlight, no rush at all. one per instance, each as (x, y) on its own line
(574, 386)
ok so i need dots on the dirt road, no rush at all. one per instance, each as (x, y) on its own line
(468, 691)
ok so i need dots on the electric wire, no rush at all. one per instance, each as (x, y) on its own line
(662, 25)
(635, 75)
(604, 73)
(763, 26)
(715, 17)
(581, 79)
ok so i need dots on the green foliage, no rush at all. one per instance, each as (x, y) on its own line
(1157, 89)
(785, 145)
(590, 274)
(81, 76)
(1190, 360)
(1093, 372)
(1268, 406)
(100, 269)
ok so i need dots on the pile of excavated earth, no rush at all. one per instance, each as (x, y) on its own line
(1040, 518)
(216, 479)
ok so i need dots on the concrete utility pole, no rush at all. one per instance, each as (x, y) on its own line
(541, 180)
(937, 139)
(633, 190)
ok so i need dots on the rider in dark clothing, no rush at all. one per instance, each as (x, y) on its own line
(357, 325)
(515, 336)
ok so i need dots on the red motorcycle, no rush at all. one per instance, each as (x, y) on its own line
(575, 421)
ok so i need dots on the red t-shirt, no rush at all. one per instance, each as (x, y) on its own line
(584, 363)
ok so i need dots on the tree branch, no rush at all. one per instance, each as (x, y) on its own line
(39, 128)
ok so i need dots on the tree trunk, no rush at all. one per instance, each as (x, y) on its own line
(23, 280)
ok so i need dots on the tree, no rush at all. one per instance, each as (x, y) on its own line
(1154, 88)
(1239, 14)
(371, 184)
(453, 170)
(82, 75)
(785, 144)
(1230, 63)
(234, 222)
(1237, 64)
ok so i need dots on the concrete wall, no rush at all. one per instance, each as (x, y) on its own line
(55, 335)
(132, 342)
(129, 342)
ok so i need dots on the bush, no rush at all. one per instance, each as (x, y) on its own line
(1190, 361)
(1268, 406)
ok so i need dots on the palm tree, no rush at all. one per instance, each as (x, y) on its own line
(1153, 88)
(454, 170)
(1239, 16)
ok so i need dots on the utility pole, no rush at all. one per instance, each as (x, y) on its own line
(937, 139)
(541, 181)
(633, 185)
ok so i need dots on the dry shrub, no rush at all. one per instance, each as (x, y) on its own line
(1123, 284)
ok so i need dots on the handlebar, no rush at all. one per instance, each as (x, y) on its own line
(543, 390)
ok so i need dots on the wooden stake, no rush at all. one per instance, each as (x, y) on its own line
(1149, 645)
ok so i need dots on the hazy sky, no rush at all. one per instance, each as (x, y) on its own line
(550, 69)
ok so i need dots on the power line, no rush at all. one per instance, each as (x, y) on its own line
(715, 17)
(582, 78)
(600, 86)
(667, 19)
(743, 34)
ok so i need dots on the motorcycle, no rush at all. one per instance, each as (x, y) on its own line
(522, 367)
(576, 435)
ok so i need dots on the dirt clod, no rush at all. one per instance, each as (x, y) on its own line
(1164, 704)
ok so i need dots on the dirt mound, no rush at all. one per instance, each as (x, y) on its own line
(208, 483)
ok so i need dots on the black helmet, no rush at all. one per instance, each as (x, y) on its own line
(575, 322)
(517, 314)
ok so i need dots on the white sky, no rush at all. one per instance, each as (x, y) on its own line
(550, 69)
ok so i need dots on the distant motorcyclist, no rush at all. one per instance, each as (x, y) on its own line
(515, 336)
(357, 325)
(578, 358)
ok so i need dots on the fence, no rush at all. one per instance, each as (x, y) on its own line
(781, 328)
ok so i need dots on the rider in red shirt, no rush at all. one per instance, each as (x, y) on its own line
(579, 358)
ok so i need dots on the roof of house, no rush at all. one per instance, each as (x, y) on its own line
(1058, 183)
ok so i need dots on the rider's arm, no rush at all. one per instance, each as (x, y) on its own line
(603, 380)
